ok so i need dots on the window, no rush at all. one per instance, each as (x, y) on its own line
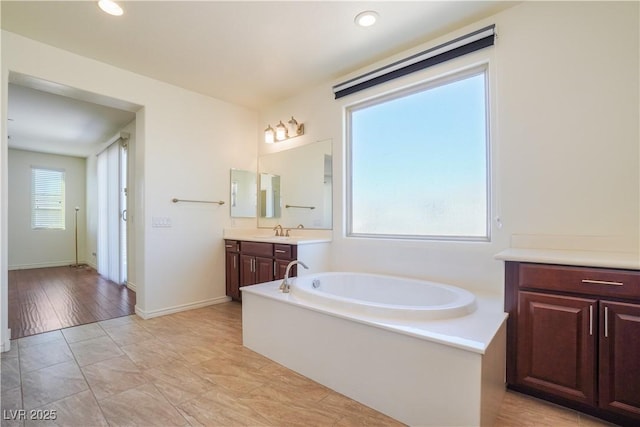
(47, 198)
(418, 162)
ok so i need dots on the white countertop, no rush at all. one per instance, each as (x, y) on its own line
(624, 260)
(310, 236)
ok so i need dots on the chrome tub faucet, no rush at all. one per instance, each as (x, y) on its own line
(284, 286)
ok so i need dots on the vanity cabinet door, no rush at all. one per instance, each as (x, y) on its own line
(232, 268)
(556, 345)
(620, 358)
(255, 270)
(263, 270)
(232, 263)
(247, 270)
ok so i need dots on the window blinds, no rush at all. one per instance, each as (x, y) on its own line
(47, 198)
(460, 46)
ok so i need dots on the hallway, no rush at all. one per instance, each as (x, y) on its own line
(47, 299)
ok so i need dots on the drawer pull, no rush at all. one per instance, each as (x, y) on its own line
(601, 282)
(228, 246)
(590, 320)
(606, 321)
(280, 251)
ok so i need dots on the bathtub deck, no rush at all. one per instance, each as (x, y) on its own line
(473, 332)
(405, 371)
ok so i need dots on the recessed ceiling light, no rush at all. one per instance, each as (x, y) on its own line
(111, 7)
(366, 18)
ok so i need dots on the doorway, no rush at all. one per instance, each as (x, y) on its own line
(45, 292)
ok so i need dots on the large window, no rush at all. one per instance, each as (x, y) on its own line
(47, 198)
(418, 161)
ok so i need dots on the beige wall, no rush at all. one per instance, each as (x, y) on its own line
(564, 143)
(29, 248)
(186, 143)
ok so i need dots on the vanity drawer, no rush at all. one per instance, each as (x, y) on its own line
(583, 280)
(231, 246)
(257, 248)
(283, 252)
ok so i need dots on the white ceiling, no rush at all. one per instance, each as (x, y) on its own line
(51, 123)
(251, 53)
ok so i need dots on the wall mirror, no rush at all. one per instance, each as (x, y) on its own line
(296, 187)
(269, 196)
(243, 194)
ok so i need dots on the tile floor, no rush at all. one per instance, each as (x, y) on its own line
(185, 369)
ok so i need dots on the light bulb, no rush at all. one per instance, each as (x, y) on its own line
(269, 135)
(281, 131)
(110, 7)
(293, 127)
(366, 18)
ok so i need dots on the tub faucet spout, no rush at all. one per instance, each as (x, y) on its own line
(284, 286)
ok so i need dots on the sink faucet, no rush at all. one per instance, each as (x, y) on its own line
(284, 286)
(278, 229)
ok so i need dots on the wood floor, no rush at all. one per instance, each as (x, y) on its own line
(46, 299)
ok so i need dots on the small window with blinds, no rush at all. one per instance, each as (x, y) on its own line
(47, 199)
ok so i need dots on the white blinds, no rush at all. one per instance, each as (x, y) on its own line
(47, 198)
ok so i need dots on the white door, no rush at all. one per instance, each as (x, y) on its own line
(112, 225)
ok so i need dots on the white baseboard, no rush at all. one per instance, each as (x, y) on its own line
(5, 345)
(177, 308)
(131, 286)
(44, 265)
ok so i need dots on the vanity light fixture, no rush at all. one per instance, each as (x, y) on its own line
(283, 132)
(366, 18)
(110, 7)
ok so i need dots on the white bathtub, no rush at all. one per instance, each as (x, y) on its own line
(383, 341)
(384, 297)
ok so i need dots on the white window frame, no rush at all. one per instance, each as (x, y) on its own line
(434, 82)
(37, 222)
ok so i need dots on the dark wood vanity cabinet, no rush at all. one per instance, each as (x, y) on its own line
(573, 337)
(619, 352)
(232, 268)
(248, 263)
